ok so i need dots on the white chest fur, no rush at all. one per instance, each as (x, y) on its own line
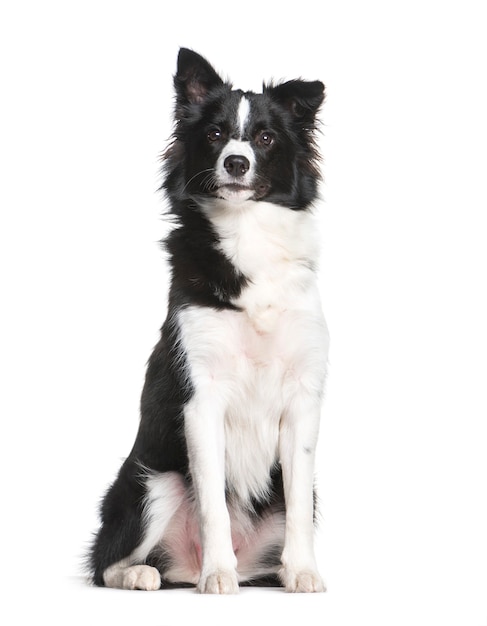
(252, 361)
(276, 249)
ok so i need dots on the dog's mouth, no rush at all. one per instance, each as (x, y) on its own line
(236, 187)
(234, 191)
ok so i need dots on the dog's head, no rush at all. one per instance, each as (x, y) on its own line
(238, 145)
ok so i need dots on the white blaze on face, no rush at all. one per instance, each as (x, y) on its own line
(237, 147)
(243, 114)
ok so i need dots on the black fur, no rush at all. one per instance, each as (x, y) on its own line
(202, 275)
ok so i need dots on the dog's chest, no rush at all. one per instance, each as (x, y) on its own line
(275, 249)
(251, 377)
(253, 358)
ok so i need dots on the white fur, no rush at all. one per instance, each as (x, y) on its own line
(243, 114)
(124, 576)
(258, 376)
(277, 249)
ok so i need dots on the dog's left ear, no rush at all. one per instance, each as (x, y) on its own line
(194, 78)
(302, 98)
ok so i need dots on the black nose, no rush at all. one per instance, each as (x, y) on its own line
(236, 165)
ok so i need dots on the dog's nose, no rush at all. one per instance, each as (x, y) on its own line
(236, 165)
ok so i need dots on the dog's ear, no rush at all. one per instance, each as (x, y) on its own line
(194, 78)
(302, 98)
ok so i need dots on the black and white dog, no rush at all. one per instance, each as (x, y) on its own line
(218, 488)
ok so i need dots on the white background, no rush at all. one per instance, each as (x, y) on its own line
(86, 98)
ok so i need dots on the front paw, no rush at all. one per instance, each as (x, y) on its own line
(301, 580)
(219, 581)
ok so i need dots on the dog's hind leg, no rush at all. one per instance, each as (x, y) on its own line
(135, 514)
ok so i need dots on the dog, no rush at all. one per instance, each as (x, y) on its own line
(218, 489)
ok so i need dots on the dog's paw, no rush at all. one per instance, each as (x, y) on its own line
(219, 581)
(301, 581)
(141, 577)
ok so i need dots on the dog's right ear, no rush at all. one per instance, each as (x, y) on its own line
(194, 78)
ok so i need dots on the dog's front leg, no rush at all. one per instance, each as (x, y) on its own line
(297, 442)
(204, 430)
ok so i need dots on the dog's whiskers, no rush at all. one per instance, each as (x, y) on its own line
(210, 170)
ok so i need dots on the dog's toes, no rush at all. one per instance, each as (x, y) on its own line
(220, 582)
(302, 581)
(141, 577)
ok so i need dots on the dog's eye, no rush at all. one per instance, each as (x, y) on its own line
(265, 138)
(214, 135)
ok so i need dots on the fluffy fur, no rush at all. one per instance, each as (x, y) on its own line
(218, 488)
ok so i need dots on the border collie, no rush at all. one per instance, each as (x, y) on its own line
(218, 489)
